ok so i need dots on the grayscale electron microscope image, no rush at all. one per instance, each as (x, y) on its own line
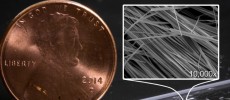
(171, 42)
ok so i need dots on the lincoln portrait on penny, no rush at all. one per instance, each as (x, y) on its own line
(57, 40)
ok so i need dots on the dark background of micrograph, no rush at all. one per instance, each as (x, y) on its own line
(111, 13)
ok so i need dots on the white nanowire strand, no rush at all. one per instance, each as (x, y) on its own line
(214, 14)
(152, 37)
(195, 24)
(137, 21)
(198, 63)
(133, 54)
(177, 20)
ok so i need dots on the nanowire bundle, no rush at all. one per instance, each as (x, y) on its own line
(170, 41)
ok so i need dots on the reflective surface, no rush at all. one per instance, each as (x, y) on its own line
(58, 50)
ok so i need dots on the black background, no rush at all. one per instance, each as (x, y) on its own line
(111, 12)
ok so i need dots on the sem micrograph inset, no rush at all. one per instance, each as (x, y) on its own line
(170, 41)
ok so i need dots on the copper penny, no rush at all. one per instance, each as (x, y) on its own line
(58, 50)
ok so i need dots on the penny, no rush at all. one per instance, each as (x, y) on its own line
(58, 50)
